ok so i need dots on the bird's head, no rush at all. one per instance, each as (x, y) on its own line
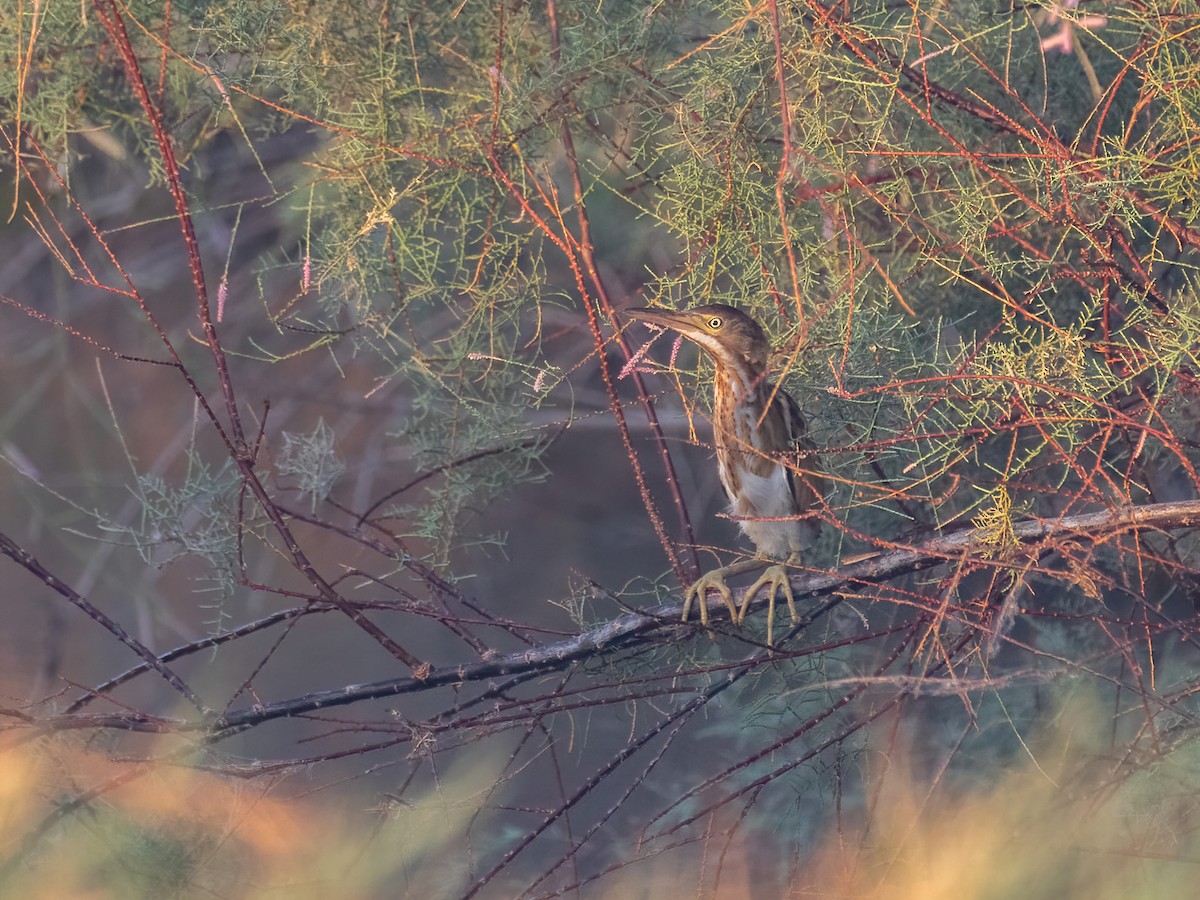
(734, 340)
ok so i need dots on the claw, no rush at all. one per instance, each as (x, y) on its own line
(776, 578)
(709, 581)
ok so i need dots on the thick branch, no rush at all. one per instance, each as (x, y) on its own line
(629, 629)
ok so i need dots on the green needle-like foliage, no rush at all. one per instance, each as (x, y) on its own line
(306, 300)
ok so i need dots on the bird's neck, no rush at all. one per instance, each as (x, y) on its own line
(745, 385)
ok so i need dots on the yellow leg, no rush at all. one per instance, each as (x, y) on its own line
(776, 579)
(710, 581)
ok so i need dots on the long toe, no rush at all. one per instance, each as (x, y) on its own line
(709, 581)
(776, 580)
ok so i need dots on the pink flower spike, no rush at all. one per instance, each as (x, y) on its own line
(675, 350)
(222, 292)
(1062, 40)
(632, 365)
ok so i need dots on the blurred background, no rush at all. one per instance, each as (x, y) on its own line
(969, 234)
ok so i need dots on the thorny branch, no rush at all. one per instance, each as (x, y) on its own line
(628, 631)
(863, 166)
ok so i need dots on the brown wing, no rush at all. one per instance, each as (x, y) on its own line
(805, 474)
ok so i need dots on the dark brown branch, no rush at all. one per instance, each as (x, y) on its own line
(628, 630)
(26, 560)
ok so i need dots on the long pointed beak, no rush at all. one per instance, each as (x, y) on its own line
(665, 318)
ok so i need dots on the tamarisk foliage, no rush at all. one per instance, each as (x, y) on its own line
(336, 479)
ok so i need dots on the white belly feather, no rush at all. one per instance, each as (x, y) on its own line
(769, 497)
(760, 496)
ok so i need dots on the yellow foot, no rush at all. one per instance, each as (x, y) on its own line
(775, 579)
(709, 581)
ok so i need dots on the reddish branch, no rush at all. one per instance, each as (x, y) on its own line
(241, 453)
(785, 166)
(588, 255)
(110, 18)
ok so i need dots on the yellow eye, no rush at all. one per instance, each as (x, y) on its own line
(714, 323)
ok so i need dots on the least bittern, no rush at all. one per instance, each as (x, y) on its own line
(763, 453)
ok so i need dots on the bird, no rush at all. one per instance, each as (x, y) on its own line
(765, 457)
